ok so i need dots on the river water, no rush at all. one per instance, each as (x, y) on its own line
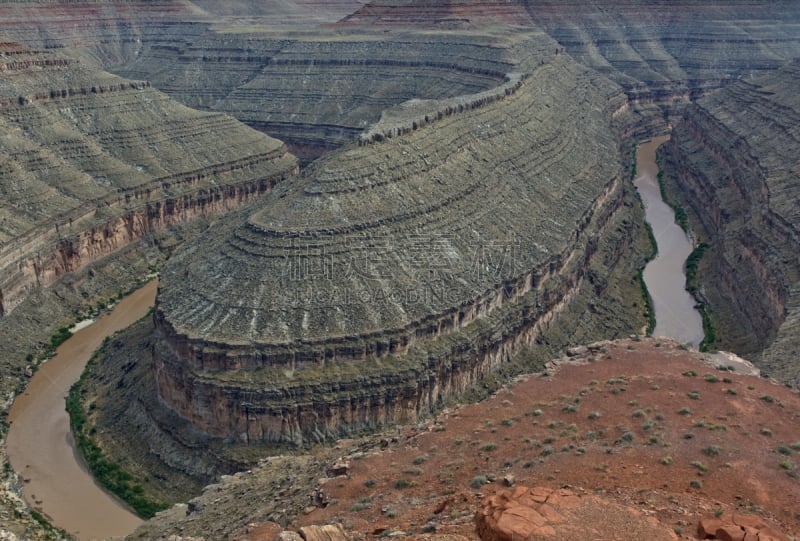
(40, 445)
(676, 316)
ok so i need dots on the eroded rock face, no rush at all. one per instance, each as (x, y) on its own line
(542, 513)
(732, 165)
(393, 275)
(93, 162)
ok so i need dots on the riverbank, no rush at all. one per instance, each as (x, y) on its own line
(40, 446)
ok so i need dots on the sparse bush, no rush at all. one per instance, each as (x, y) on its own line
(694, 395)
(696, 484)
(766, 431)
(402, 483)
(537, 412)
(419, 460)
(548, 450)
(638, 413)
(594, 415)
(712, 450)
(732, 392)
(711, 378)
(787, 465)
(690, 373)
(684, 411)
(783, 450)
(478, 481)
(570, 408)
(488, 447)
(507, 422)
(666, 460)
(699, 465)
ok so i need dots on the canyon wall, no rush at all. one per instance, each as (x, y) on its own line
(94, 162)
(315, 95)
(732, 164)
(387, 279)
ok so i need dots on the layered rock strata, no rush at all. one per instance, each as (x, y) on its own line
(668, 53)
(393, 275)
(732, 164)
(101, 32)
(94, 162)
(663, 54)
(316, 95)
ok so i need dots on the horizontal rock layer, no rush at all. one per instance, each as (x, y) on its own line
(732, 163)
(315, 95)
(94, 162)
(395, 274)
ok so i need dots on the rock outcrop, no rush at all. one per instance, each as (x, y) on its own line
(541, 513)
(94, 162)
(738, 527)
(732, 165)
(393, 275)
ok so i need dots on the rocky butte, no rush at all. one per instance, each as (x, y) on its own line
(394, 275)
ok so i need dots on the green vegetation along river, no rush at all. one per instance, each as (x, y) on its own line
(40, 445)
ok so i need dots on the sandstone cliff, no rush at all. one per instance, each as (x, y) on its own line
(732, 164)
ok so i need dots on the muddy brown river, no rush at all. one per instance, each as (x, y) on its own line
(676, 316)
(40, 445)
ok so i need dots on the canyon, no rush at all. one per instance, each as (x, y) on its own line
(362, 212)
(731, 164)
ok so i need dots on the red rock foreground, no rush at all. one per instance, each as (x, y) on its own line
(636, 431)
(737, 527)
(542, 513)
